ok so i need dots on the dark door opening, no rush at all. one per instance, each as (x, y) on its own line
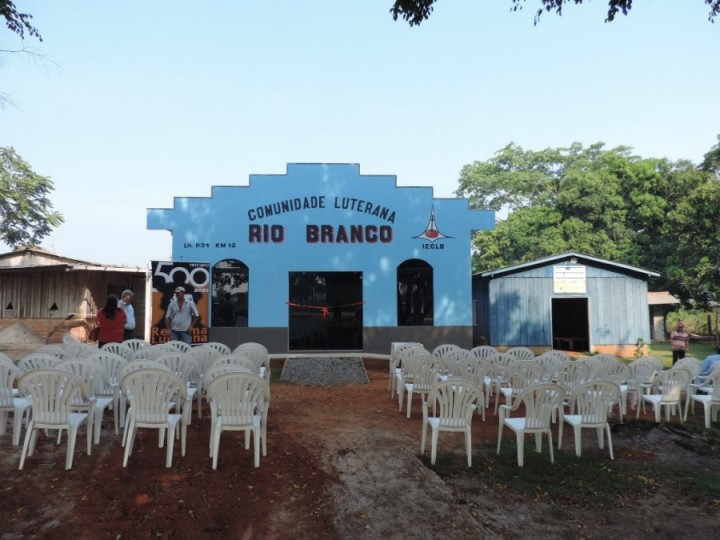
(570, 327)
(325, 311)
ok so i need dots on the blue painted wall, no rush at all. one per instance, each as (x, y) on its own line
(230, 223)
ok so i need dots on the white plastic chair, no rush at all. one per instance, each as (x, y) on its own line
(136, 344)
(9, 401)
(483, 351)
(445, 348)
(549, 360)
(618, 373)
(175, 346)
(406, 350)
(97, 380)
(671, 384)
(184, 365)
(710, 400)
(220, 347)
(521, 353)
(238, 402)
(238, 359)
(592, 401)
(455, 401)
(151, 393)
(420, 375)
(518, 376)
(53, 393)
(118, 348)
(53, 350)
(111, 363)
(540, 401)
(33, 361)
(642, 373)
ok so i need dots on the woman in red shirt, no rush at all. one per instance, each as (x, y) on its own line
(111, 322)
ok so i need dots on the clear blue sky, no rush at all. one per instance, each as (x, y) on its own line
(142, 101)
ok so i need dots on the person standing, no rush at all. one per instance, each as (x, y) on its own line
(125, 303)
(111, 322)
(679, 342)
(181, 317)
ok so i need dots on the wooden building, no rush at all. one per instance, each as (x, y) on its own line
(52, 295)
(568, 301)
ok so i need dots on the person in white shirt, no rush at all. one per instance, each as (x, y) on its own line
(125, 303)
(181, 317)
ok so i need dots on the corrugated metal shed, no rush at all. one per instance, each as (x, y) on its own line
(566, 301)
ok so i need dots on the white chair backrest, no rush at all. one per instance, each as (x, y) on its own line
(237, 359)
(179, 346)
(52, 350)
(523, 374)
(135, 344)
(657, 362)
(184, 365)
(252, 345)
(593, 399)
(483, 351)
(135, 365)
(220, 369)
(54, 393)
(94, 376)
(220, 347)
(540, 401)
(521, 353)
(571, 374)
(33, 361)
(151, 391)
(616, 372)
(9, 374)
(151, 353)
(456, 401)
(673, 383)
(442, 350)
(118, 348)
(641, 373)
(713, 380)
(238, 395)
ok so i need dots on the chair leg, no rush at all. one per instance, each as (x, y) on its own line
(170, 445)
(609, 439)
(433, 444)
(26, 444)
(216, 442)
(520, 436)
(256, 446)
(578, 441)
(72, 436)
(468, 445)
(550, 444)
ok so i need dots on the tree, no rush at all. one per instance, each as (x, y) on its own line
(16, 21)
(611, 204)
(418, 11)
(26, 213)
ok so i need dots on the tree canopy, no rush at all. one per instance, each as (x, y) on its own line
(417, 11)
(26, 213)
(16, 21)
(611, 204)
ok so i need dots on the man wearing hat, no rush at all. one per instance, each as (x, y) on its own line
(181, 317)
(679, 342)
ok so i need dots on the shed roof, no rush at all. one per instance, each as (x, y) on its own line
(38, 259)
(580, 257)
(661, 298)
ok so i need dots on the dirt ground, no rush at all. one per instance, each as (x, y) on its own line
(342, 463)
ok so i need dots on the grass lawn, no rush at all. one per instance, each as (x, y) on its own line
(697, 349)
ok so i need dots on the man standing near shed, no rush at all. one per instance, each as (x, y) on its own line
(679, 342)
(181, 317)
(125, 303)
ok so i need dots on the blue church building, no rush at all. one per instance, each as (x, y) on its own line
(324, 258)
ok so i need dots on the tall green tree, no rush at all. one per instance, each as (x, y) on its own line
(26, 213)
(611, 204)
